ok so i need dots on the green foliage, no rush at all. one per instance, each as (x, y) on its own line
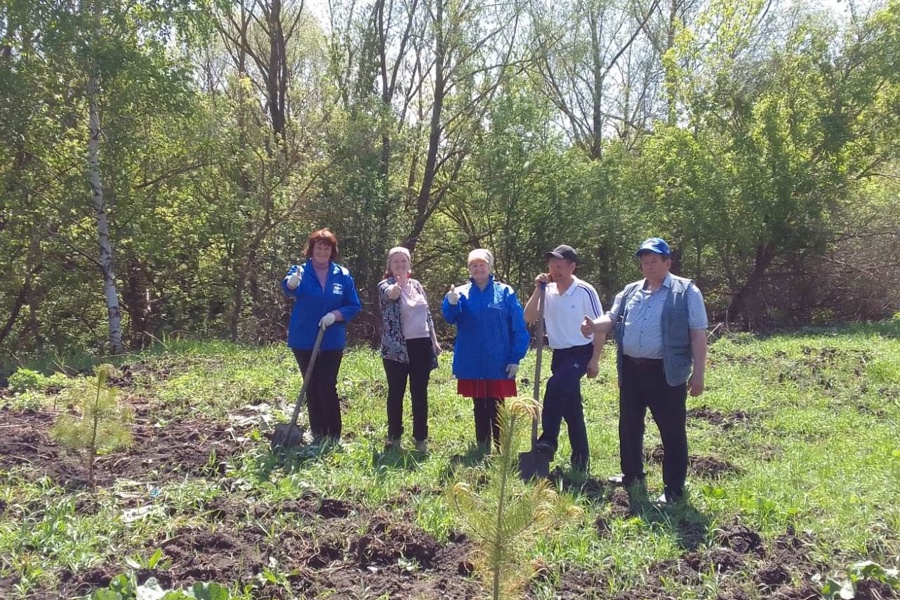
(101, 425)
(26, 380)
(760, 140)
(845, 589)
(148, 562)
(504, 515)
(126, 587)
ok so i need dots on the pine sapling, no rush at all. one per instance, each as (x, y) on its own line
(102, 425)
(505, 515)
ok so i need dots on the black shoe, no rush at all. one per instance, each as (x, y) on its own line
(626, 481)
(544, 447)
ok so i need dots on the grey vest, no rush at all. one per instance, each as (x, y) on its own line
(676, 334)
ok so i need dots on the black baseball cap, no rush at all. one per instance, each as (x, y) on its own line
(564, 252)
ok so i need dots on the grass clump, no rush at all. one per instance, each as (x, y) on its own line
(101, 425)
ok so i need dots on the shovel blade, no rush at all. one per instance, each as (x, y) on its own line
(534, 464)
(286, 436)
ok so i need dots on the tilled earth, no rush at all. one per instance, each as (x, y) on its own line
(336, 548)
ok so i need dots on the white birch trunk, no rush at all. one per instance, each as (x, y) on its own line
(106, 256)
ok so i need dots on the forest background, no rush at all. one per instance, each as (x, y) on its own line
(163, 161)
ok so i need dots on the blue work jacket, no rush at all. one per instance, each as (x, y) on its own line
(490, 330)
(312, 302)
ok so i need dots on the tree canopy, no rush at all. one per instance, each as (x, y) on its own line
(162, 162)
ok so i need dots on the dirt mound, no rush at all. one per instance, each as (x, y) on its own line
(386, 542)
(710, 466)
(701, 466)
(724, 420)
(203, 555)
(720, 560)
(741, 539)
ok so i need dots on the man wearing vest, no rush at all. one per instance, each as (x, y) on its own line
(659, 324)
(567, 300)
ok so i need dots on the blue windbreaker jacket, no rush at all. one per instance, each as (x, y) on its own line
(490, 330)
(312, 301)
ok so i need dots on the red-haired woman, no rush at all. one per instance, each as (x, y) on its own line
(324, 296)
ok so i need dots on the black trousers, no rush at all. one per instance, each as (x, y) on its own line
(418, 371)
(487, 424)
(644, 386)
(322, 400)
(562, 400)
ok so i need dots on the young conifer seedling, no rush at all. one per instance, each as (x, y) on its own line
(505, 515)
(101, 426)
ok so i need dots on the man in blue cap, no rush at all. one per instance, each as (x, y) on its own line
(659, 324)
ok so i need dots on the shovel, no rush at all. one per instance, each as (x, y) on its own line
(533, 463)
(288, 435)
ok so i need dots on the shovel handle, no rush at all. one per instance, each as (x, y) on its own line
(537, 362)
(309, 368)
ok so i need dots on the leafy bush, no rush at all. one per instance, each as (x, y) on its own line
(26, 380)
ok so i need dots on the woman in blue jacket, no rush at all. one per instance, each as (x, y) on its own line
(324, 296)
(491, 340)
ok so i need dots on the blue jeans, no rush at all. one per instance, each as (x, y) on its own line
(562, 400)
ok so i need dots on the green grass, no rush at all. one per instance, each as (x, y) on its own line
(818, 451)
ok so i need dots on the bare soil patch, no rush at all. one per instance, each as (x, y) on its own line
(330, 547)
(724, 420)
(192, 447)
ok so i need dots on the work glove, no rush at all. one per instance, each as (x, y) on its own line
(453, 296)
(327, 320)
(393, 291)
(511, 370)
(294, 279)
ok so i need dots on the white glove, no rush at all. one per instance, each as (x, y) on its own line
(327, 320)
(393, 291)
(453, 296)
(511, 370)
(294, 279)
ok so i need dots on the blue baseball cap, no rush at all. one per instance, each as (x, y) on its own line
(654, 244)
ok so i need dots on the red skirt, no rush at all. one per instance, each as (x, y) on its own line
(486, 388)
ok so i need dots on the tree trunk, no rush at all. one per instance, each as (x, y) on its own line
(14, 313)
(136, 299)
(434, 139)
(106, 255)
(276, 82)
(744, 303)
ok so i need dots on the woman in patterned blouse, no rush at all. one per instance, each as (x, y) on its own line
(409, 347)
